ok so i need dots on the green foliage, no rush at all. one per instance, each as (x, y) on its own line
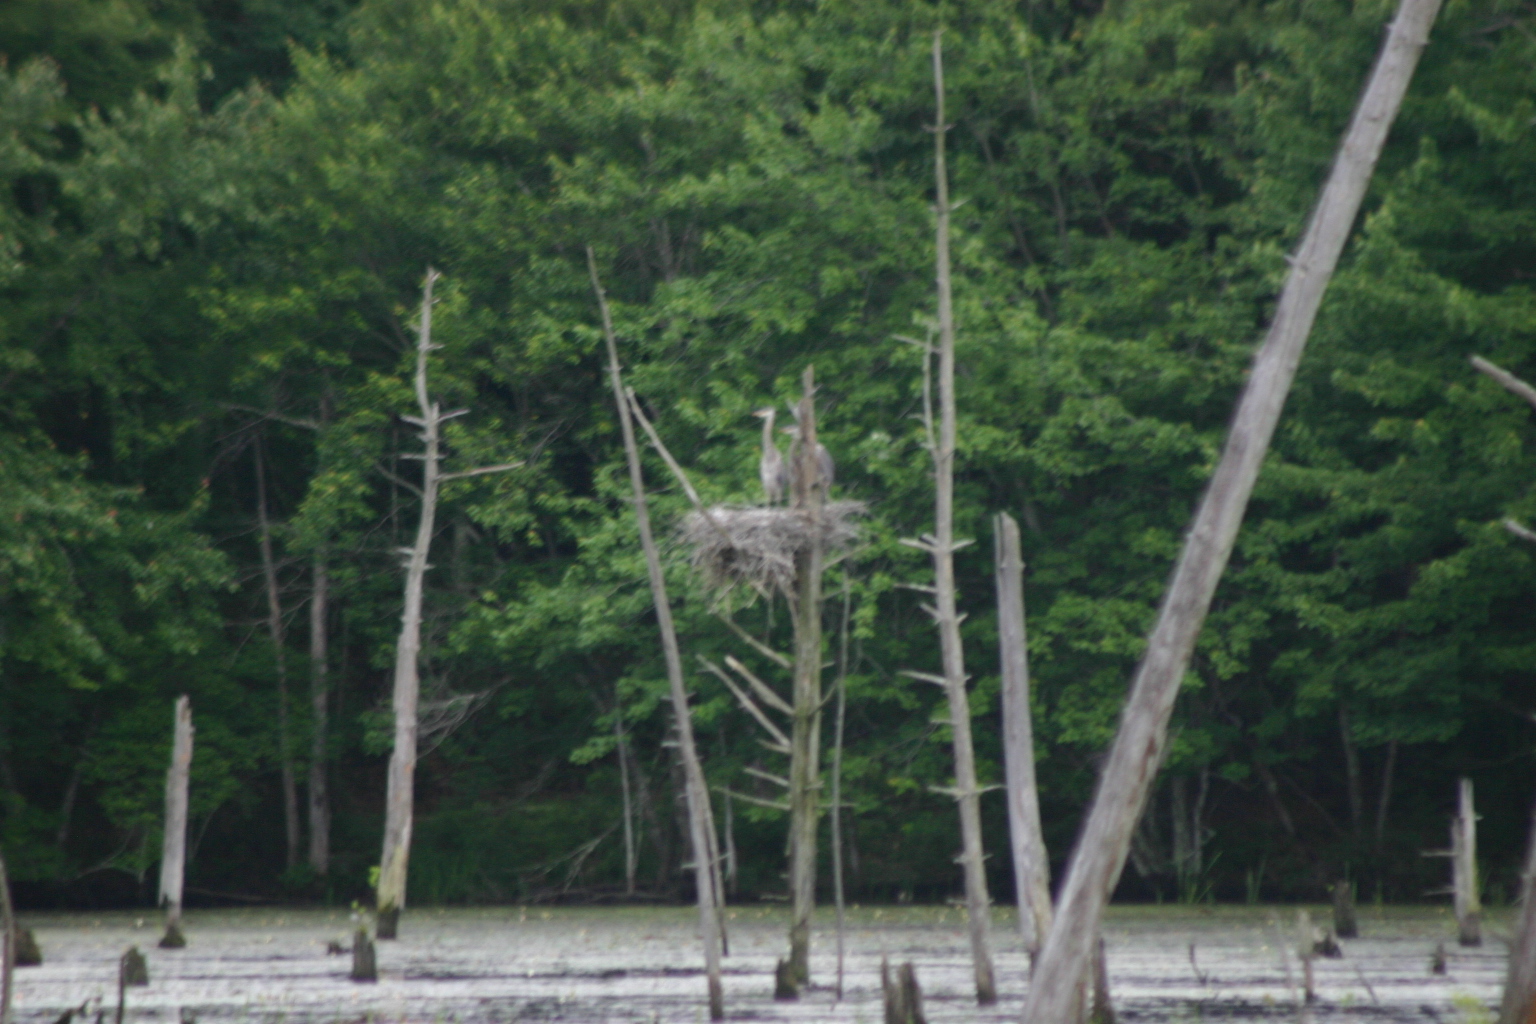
(188, 271)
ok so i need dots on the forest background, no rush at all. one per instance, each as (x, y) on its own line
(215, 219)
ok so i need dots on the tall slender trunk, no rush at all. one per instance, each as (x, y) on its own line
(1128, 772)
(1469, 908)
(700, 827)
(945, 612)
(631, 858)
(1351, 771)
(8, 935)
(1519, 1003)
(279, 650)
(837, 780)
(400, 793)
(173, 856)
(1031, 869)
(319, 702)
(805, 729)
(1384, 801)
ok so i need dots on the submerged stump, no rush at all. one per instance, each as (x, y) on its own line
(365, 963)
(786, 987)
(1345, 925)
(133, 969)
(28, 954)
(903, 997)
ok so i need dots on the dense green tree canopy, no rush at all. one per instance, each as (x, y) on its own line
(215, 220)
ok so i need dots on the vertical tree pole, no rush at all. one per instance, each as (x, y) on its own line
(621, 744)
(942, 547)
(696, 792)
(837, 782)
(319, 702)
(173, 857)
(809, 493)
(1469, 909)
(1127, 774)
(8, 942)
(280, 653)
(1031, 870)
(1519, 1003)
(400, 792)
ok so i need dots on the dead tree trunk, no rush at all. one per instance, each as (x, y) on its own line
(837, 782)
(1127, 774)
(280, 653)
(399, 795)
(700, 827)
(173, 857)
(805, 728)
(631, 855)
(1031, 869)
(942, 546)
(319, 702)
(8, 940)
(1469, 909)
(1519, 1002)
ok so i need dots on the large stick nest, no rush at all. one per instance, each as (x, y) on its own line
(757, 545)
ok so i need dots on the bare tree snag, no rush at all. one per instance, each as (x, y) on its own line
(173, 857)
(902, 996)
(621, 748)
(8, 940)
(1469, 909)
(837, 782)
(808, 493)
(319, 703)
(399, 795)
(1519, 1003)
(700, 828)
(1128, 772)
(1031, 869)
(1515, 386)
(280, 654)
(942, 546)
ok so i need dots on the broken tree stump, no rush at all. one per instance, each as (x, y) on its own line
(1345, 926)
(786, 987)
(1103, 1007)
(365, 962)
(133, 969)
(173, 856)
(902, 996)
(28, 954)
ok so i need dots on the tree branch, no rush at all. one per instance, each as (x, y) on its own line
(1506, 380)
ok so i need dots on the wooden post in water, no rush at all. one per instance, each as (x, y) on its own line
(1128, 772)
(1345, 925)
(1031, 870)
(1469, 909)
(700, 826)
(173, 857)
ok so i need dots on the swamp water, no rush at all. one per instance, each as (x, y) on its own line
(644, 965)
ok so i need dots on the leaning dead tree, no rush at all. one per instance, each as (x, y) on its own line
(1128, 773)
(696, 792)
(1519, 1003)
(173, 857)
(941, 545)
(1031, 869)
(399, 797)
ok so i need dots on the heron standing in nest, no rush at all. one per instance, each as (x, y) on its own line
(824, 467)
(771, 469)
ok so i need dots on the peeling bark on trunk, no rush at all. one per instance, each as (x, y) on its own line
(319, 700)
(700, 826)
(1031, 869)
(173, 856)
(279, 652)
(945, 613)
(1127, 774)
